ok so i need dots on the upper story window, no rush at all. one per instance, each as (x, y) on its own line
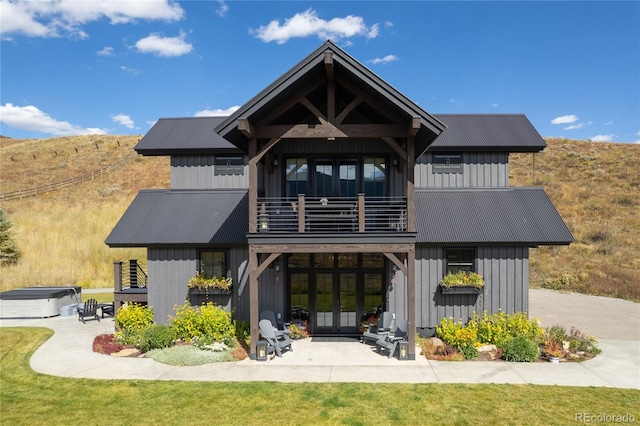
(297, 177)
(228, 165)
(375, 176)
(460, 260)
(213, 263)
(449, 162)
(336, 177)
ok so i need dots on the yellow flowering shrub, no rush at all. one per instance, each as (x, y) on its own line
(209, 323)
(132, 319)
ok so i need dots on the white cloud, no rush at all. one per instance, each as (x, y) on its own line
(222, 9)
(216, 112)
(494, 105)
(164, 46)
(384, 60)
(574, 126)
(638, 134)
(307, 23)
(66, 17)
(608, 123)
(123, 120)
(107, 51)
(32, 119)
(130, 70)
(602, 138)
(565, 119)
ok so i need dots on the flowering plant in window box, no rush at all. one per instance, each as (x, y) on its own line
(203, 283)
(462, 282)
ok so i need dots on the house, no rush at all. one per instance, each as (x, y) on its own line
(330, 195)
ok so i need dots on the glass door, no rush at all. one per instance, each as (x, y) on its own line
(336, 302)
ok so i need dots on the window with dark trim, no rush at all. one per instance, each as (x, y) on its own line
(460, 260)
(228, 165)
(447, 162)
(213, 263)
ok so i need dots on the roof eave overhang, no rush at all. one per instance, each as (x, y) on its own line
(430, 126)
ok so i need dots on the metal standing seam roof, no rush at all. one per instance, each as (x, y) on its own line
(502, 132)
(489, 215)
(167, 217)
(188, 134)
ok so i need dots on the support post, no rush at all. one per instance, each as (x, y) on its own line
(253, 302)
(411, 302)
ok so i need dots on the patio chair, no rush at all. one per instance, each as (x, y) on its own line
(384, 328)
(269, 315)
(276, 343)
(89, 310)
(391, 343)
(107, 309)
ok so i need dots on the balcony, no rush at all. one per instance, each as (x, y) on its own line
(305, 214)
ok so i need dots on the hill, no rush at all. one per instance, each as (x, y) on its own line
(595, 187)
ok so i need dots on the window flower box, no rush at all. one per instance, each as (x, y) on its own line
(210, 285)
(462, 282)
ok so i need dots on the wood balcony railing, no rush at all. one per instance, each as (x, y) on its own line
(332, 214)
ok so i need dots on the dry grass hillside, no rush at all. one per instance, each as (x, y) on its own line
(596, 188)
(61, 233)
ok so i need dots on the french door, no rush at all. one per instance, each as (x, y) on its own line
(335, 292)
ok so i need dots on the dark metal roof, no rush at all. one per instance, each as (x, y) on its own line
(163, 217)
(189, 134)
(502, 132)
(489, 215)
(312, 67)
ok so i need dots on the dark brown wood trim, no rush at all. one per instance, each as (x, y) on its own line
(414, 126)
(411, 303)
(315, 111)
(334, 248)
(392, 257)
(372, 101)
(253, 186)
(411, 200)
(327, 130)
(245, 127)
(396, 147)
(343, 114)
(328, 64)
(289, 103)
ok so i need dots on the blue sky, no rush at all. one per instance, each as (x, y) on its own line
(115, 67)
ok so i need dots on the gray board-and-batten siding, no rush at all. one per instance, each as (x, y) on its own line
(171, 268)
(504, 268)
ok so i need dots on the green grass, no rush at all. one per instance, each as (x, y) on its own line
(29, 398)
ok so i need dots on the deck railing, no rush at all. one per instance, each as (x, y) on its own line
(332, 214)
(131, 277)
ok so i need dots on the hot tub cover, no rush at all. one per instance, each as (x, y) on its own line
(30, 293)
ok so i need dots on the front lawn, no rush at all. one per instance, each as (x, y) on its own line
(29, 398)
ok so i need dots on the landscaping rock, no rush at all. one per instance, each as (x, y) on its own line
(127, 352)
(487, 348)
(436, 342)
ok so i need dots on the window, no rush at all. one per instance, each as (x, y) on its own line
(296, 176)
(229, 165)
(460, 260)
(447, 163)
(213, 263)
(375, 172)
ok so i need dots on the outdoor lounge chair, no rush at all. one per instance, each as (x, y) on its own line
(274, 343)
(266, 314)
(384, 328)
(391, 343)
(89, 310)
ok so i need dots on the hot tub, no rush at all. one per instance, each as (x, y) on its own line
(37, 302)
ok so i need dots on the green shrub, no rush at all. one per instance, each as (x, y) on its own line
(499, 327)
(243, 331)
(156, 337)
(210, 323)
(132, 319)
(557, 333)
(520, 349)
(187, 355)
